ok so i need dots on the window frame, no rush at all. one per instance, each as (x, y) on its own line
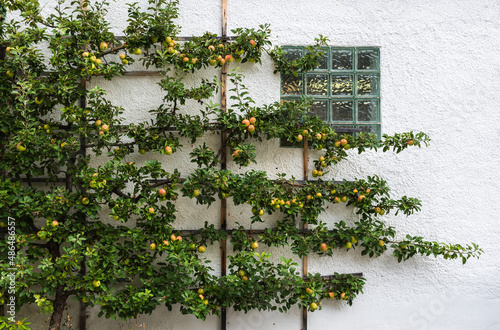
(354, 125)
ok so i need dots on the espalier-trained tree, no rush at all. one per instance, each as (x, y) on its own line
(82, 228)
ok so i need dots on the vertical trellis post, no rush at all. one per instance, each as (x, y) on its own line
(82, 319)
(223, 103)
(83, 309)
(83, 151)
(304, 259)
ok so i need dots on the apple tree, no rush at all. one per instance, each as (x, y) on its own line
(104, 232)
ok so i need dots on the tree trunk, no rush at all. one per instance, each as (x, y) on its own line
(59, 304)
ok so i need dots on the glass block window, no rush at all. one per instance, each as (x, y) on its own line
(345, 87)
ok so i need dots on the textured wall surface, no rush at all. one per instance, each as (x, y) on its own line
(440, 74)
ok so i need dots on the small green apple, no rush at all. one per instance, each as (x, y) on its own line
(20, 147)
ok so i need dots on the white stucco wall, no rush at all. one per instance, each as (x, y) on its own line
(440, 75)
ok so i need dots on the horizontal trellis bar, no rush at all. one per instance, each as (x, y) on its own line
(325, 277)
(181, 180)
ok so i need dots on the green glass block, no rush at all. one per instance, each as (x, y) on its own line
(341, 84)
(368, 59)
(342, 111)
(373, 129)
(291, 85)
(342, 59)
(317, 84)
(342, 130)
(293, 53)
(368, 110)
(368, 85)
(320, 108)
(323, 61)
(289, 99)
